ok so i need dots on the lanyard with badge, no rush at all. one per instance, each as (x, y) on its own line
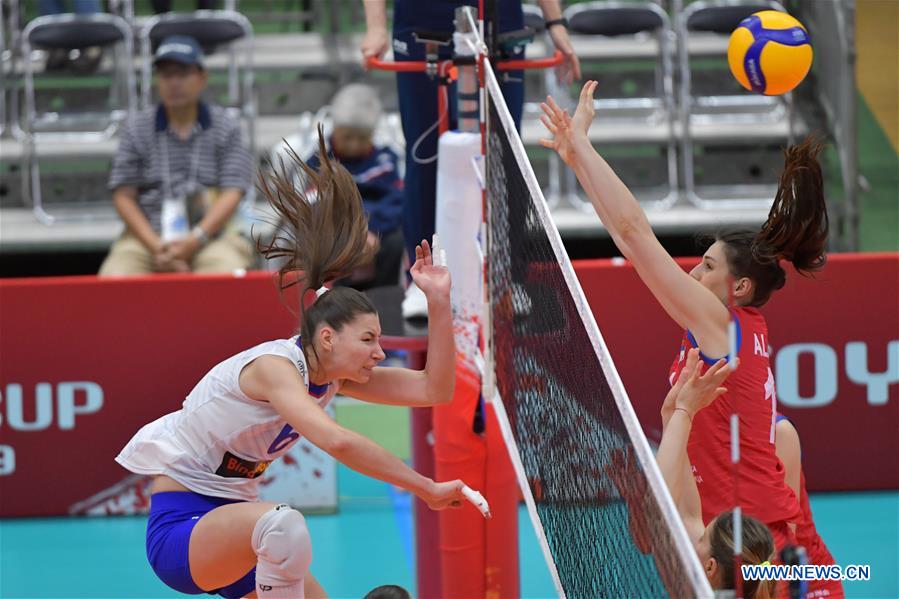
(176, 221)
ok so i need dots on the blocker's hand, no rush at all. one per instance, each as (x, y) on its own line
(566, 129)
(698, 391)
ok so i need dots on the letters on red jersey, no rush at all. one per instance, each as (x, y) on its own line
(763, 492)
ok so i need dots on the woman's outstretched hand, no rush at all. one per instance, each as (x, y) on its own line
(566, 129)
(700, 390)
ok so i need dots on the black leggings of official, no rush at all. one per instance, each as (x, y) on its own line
(387, 264)
(166, 5)
(389, 259)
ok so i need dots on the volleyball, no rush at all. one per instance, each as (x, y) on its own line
(769, 53)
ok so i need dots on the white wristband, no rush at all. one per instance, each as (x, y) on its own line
(200, 234)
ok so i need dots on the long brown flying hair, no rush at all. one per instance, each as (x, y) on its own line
(796, 228)
(321, 236)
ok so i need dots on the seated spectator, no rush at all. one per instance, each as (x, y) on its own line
(356, 111)
(178, 176)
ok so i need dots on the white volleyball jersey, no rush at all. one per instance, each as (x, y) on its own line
(220, 442)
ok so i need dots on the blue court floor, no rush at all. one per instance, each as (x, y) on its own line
(368, 543)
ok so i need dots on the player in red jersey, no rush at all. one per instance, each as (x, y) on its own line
(714, 543)
(742, 266)
(764, 493)
(690, 396)
(789, 451)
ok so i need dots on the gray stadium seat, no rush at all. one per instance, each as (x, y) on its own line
(716, 109)
(5, 57)
(546, 84)
(70, 32)
(638, 22)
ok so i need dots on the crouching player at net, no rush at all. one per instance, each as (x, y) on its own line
(714, 543)
(789, 450)
(207, 531)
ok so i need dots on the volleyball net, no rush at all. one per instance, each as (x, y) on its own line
(597, 500)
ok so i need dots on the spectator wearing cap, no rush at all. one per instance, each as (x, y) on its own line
(356, 112)
(178, 176)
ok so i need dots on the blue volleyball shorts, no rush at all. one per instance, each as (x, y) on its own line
(173, 516)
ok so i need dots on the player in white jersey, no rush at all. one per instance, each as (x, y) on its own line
(207, 532)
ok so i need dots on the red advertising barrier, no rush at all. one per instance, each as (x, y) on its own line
(85, 362)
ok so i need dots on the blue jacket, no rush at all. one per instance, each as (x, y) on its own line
(438, 15)
(380, 185)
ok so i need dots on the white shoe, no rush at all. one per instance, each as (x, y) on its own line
(415, 305)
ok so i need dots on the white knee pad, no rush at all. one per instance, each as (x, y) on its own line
(283, 547)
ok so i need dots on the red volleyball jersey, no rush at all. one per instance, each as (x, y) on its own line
(763, 492)
(806, 533)
(816, 551)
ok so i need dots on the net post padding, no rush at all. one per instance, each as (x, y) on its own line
(478, 557)
(502, 571)
(570, 429)
(460, 453)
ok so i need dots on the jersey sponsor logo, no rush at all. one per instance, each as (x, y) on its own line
(235, 467)
(284, 438)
